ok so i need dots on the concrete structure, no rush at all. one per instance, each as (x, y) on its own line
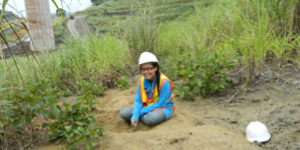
(40, 25)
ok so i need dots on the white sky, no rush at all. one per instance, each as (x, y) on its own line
(74, 5)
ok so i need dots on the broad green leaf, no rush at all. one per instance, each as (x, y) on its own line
(56, 112)
(80, 123)
(68, 128)
(81, 129)
(45, 125)
(80, 140)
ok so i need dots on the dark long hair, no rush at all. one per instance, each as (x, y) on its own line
(157, 73)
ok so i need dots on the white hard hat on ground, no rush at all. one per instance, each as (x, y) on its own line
(257, 131)
(147, 57)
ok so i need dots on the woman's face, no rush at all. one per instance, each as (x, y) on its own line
(148, 71)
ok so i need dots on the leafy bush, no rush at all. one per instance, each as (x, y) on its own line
(58, 27)
(59, 30)
(204, 75)
(74, 121)
(123, 83)
(89, 90)
(17, 114)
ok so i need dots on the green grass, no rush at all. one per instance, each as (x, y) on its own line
(83, 59)
(161, 11)
(255, 31)
(134, 5)
(103, 24)
(248, 29)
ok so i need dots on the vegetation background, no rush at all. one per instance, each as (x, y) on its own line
(201, 45)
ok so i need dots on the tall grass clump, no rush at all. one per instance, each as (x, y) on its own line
(285, 15)
(176, 38)
(140, 32)
(102, 59)
(254, 31)
(83, 59)
(259, 37)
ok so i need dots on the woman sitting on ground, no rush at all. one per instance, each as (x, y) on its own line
(153, 102)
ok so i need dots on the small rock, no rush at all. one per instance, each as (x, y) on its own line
(255, 101)
(296, 82)
(241, 98)
(233, 122)
(175, 140)
(267, 98)
(199, 123)
(234, 81)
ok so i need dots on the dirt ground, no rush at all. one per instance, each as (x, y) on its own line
(215, 123)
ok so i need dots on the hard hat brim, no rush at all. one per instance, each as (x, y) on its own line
(148, 62)
(260, 140)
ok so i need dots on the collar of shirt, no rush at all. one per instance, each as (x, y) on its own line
(148, 85)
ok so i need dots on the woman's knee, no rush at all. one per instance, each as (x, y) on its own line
(154, 118)
(126, 112)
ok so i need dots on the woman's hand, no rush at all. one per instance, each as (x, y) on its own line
(134, 123)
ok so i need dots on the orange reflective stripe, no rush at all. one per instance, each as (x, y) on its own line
(164, 79)
(143, 93)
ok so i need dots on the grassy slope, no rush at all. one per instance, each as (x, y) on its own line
(109, 16)
(247, 28)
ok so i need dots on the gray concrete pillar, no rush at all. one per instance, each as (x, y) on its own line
(40, 25)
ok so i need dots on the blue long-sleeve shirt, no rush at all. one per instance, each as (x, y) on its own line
(164, 96)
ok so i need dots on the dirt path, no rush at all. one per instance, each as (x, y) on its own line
(217, 123)
(78, 27)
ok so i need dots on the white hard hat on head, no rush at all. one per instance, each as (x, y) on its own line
(147, 57)
(257, 131)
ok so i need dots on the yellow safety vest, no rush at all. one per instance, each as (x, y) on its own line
(145, 100)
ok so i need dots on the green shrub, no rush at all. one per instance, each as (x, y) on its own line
(75, 122)
(203, 75)
(123, 83)
(59, 28)
(91, 87)
(18, 112)
(89, 90)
